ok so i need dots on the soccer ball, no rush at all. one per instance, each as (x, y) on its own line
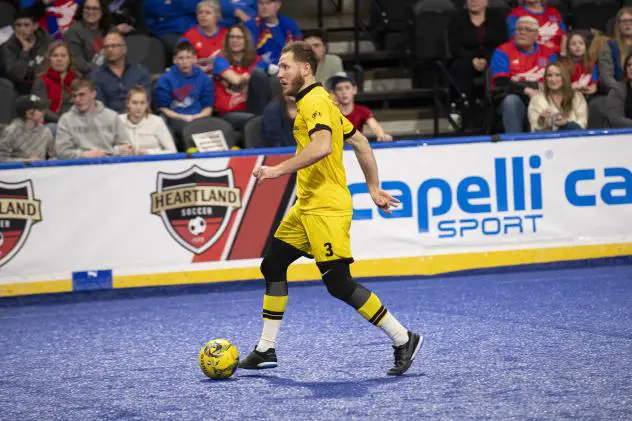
(197, 225)
(219, 359)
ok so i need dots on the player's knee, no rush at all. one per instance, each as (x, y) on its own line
(337, 278)
(273, 270)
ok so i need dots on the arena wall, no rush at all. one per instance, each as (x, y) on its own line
(467, 203)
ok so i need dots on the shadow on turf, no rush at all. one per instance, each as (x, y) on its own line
(333, 390)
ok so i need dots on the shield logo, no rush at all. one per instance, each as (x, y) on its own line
(196, 205)
(19, 210)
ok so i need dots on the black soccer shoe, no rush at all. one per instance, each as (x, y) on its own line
(258, 360)
(405, 354)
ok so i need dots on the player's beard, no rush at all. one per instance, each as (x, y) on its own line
(296, 85)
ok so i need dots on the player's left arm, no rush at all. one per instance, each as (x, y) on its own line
(366, 159)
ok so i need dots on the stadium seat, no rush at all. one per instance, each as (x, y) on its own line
(209, 124)
(8, 95)
(148, 51)
(252, 132)
(593, 14)
(7, 12)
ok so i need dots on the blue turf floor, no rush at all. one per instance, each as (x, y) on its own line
(549, 344)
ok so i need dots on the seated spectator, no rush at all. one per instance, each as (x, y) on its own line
(237, 11)
(552, 30)
(24, 52)
(619, 100)
(241, 86)
(147, 133)
(55, 16)
(85, 36)
(26, 138)
(207, 37)
(517, 69)
(473, 35)
(272, 31)
(584, 73)
(54, 83)
(328, 64)
(126, 15)
(168, 20)
(345, 90)
(557, 106)
(184, 93)
(89, 130)
(115, 78)
(277, 123)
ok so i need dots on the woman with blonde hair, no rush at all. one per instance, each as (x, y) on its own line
(53, 84)
(557, 106)
(147, 133)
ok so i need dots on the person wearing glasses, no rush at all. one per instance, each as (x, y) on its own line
(552, 30)
(116, 76)
(517, 69)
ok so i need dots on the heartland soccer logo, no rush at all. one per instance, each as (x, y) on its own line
(19, 210)
(196, 205)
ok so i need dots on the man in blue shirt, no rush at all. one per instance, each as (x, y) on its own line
(272, 31)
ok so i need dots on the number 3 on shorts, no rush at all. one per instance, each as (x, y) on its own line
(330, 251)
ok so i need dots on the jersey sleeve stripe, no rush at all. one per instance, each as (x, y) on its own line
(350, 134)
(319, 127)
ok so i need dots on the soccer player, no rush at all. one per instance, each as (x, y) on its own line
(318, 224)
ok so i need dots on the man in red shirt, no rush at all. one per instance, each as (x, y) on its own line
(207, 37)
(344, 88)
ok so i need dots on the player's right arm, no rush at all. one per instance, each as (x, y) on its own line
(366, 159)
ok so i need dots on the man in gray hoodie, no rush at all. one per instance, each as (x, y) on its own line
(89, 130)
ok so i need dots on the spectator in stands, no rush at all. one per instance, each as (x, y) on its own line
(54, 83)
(473, 35)
(55, 16)
(584, 73)
(552, 31)
(115, 78)
(26, 138)
(344, 88)
(272, 31)
(168, 20)
(241, 85)
(277, 123)
(89, 130)
(24, 52)
(147, 133)
(184, 93)
(619, 101)
(237, 11)
(557, 106)
(207, 37)
(85, 36)
(328, 64)
(517, 69)
(612, 57)
(126, 15)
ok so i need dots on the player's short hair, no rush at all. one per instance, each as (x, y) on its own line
(83, 83)
(184, 46)
(303, 53)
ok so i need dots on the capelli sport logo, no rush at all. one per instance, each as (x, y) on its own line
(196, 205)
(19, 210)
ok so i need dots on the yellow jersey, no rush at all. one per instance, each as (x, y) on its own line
(322, 187)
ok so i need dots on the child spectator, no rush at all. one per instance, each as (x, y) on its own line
(237, 11)
(85, 36)
(328, 64)
(90, 130)
(147, 133)
(272, 31)
(241, 86)
(552, 30)
(115, 78)
(184, 93)
(24, 52)
(345, 89)
(26, 138)
(584, 73)
(207, 37)
(54, 83)
(55, 16)
(558, 106)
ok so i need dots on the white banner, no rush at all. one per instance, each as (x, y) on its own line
(99, 221)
